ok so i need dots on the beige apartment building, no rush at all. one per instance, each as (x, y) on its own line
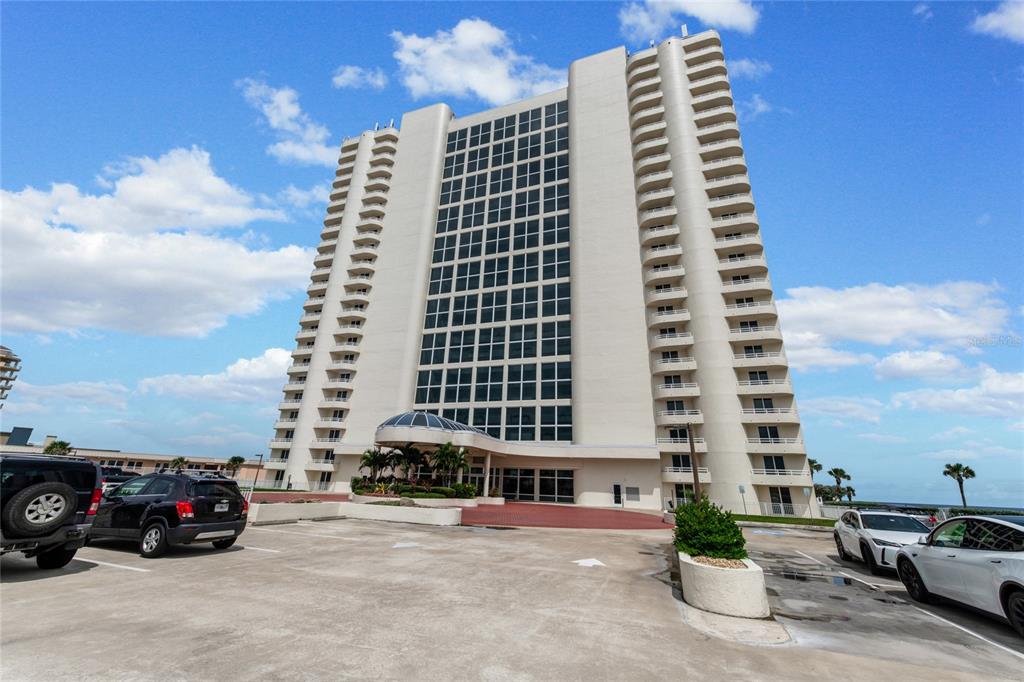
(570, 286)
(10, 365)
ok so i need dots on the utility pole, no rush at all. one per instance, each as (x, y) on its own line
(256, 477)
(694, 464)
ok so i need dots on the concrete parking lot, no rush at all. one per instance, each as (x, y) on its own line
(357, 599)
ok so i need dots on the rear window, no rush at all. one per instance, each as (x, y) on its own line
(18, 475)
(211, 489)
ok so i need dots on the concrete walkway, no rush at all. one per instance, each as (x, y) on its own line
(559, 516)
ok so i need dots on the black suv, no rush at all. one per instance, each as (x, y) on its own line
(114, 476)
(48, 504)
(173, 508)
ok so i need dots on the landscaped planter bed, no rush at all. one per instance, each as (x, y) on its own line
(401, 514)
(363, 499)
(728, 591)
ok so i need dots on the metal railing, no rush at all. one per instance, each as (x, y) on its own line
(779, 472)
(768, 354)
(677, 311)
(774, 441)
(732, 216)
(752, 330)
(685, 384)
(722, 141)
(325, 460)
(696, 441)
(763, 382)
(768, 410)
(674, 335)
(670, 413)
(751, 304)
(741, 282)
(676, 361)
(784, 509)
(684, 470)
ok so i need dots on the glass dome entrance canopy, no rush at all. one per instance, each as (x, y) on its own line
(430, 421)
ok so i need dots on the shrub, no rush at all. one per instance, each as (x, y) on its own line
(406, 489)
(427, 496)
(406, 494)
(361, 491)
(359, 482)
(704, 529)
(465, 491)
(445, 492)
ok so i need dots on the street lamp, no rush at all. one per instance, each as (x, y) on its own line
(255, 477)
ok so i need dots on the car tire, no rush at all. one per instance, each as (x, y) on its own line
(153, 541)
(869, 559)
(39, 509)
(843, 554)
(913, 581)
(55, 558)
(224, 544)
(1015, 611)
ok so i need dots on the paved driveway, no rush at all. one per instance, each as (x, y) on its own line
(560, 516)
(357, 599)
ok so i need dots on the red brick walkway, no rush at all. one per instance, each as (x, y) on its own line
(559, 516)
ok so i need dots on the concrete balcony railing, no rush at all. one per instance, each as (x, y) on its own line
(775, 445)
(658, 232)
(765, 387)
(644, 86)
(680, 445)
(647, 115)
(684, 474)
(698, 56)
(682, 389)
(784, 509)
(649, 131)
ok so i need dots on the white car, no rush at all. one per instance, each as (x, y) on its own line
(874, 537)
(975, 560)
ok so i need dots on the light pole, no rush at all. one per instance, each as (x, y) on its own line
(256, 477)
(694, 464)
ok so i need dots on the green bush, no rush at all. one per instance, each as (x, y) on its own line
(426, 496)
(465, 491)
(954, 511)
(358, 482)
(406, 489)
(445, 492)
(704, 529)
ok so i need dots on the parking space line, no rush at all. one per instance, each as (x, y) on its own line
(260, 549)
(842, 573)
(308, 535)
(104, 563)
(972, 633)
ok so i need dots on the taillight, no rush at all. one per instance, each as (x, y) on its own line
(245, 506)
(185, 510)
(94, 503)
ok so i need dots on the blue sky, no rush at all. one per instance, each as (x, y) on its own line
(165, 170)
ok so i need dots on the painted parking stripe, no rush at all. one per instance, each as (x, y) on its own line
(104, 563)
(308, 535)
(261, 549)
(972, 633)
(842, 573)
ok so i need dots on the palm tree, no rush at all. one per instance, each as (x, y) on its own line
(234, 464)
(178, 463)
(376, 460)
(447, 460)
(959, 473)
(814, 465)
(58, 447)
(839, 474)
(849, 492)
(408, 457)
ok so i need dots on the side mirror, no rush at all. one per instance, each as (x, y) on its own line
(923, 540)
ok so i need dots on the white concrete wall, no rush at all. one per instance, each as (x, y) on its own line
(389, 351)
(611, 379)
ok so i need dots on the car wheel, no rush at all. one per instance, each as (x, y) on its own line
(843, 554)
(869, 559)
(55, 558)
(1015, 611)
(39, 509)
(912, 581)
(153, 542)
(224, 544)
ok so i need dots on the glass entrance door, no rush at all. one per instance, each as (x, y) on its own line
(519, 484)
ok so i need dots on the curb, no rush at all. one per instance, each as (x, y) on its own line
(786, 526)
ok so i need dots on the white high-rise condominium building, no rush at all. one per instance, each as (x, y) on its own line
(576, 280)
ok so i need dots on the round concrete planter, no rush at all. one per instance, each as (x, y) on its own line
(728, 591)
(490, 500)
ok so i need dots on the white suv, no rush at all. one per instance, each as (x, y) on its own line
(874, 537)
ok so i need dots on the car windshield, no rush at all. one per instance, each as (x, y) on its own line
(899, 524)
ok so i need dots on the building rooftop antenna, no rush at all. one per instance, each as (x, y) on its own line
(686, 32)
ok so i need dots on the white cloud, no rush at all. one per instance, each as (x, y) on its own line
(998, 394)
(882, 438)
(71, 395)
(300, 139)
(923, 11)
(474, 59)
(952, 432)
(652, 19)
(921, 364)
(74, 261)
(862, 409)
(1016, 426)
(1005, 21)
(816, 319)
(349, 76)
(983, 219)
(248, 380)
(973, 450)
(748, 68)
(757, 106)
(306, 198)
(233, 438)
